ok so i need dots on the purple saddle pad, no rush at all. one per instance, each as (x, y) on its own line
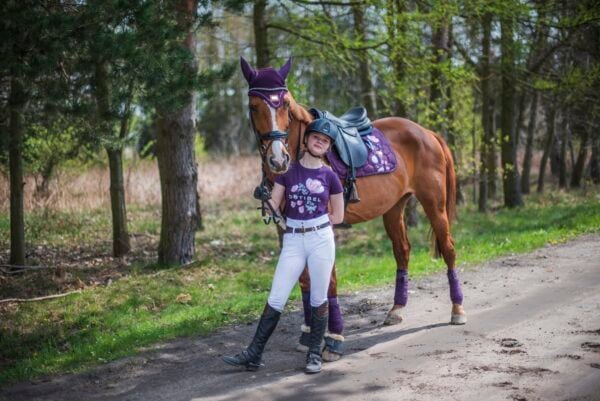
(381, 159)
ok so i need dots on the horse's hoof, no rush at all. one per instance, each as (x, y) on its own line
(304, 339)
(393, 317)
(459, 315)
(458, 319)
(334, 347)
(330, 356)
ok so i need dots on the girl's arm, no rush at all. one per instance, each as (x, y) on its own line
(336, 216)
(277, 195)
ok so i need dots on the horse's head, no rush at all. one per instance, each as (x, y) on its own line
(270, 114)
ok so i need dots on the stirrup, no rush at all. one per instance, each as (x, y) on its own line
(353, 198)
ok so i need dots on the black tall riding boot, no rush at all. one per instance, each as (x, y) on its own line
(318, 324)
(251, 358)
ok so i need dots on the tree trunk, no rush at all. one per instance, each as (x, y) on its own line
(550, 123)
(411, 215)
(440, 43)
(178, 179)
(115, 163)
(487, 112)
(595, 160)
(562, 166)
(261, 40)
(16, 105)
(450, 118)
(117, 203)
(42, 190)
(177, 164)
(492, 160)
(521, 101)
(510, 174)
(555, 153)
(581, 158)
(396, 32)
(525, 185)
(367, 93)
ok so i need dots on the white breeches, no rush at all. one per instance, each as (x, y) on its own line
(315, 249)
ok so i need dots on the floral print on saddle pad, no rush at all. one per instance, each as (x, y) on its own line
(381, 159)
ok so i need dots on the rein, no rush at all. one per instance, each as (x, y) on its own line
(263, 191)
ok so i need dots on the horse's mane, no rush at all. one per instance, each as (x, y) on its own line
(301, 118)
(299, 111)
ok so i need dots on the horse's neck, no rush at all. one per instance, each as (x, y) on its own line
(301, 118)
(296, 135)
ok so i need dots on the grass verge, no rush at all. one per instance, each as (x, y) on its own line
(230, 281)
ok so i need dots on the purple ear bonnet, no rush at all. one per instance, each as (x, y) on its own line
(268, 83)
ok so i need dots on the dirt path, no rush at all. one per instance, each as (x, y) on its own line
(533, 334)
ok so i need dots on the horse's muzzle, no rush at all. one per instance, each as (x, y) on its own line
(281, 166)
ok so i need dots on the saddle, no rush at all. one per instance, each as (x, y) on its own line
(351, 127)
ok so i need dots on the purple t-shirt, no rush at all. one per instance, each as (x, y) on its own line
(307, 190)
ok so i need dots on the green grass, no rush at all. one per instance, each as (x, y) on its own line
(230, 280)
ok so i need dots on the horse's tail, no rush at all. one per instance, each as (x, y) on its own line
(450, 189)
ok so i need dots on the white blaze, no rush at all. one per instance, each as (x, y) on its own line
(277, 146)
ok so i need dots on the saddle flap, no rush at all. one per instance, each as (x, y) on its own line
(351, 148)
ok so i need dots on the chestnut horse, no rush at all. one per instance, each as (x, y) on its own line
(425, 169)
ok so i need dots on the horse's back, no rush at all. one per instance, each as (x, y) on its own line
(408, 136)
(417, 146)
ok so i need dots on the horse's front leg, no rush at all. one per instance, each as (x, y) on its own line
(334, 339)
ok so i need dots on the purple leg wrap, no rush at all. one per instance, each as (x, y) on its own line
(336, 322)
(401, 295)
(456, 294)
(306, 307)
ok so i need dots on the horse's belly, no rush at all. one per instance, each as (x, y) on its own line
(378, 194)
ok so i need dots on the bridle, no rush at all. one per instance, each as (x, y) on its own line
(271, 137)
(263, 191)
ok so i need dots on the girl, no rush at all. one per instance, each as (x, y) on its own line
(309, 187)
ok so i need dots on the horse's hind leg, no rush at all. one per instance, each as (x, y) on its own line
(393, 221)
(334, 339)
(436, 212)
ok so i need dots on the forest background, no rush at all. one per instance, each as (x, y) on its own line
(124, 131)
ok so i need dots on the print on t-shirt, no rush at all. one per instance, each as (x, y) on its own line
(307, 190)
(300, 196)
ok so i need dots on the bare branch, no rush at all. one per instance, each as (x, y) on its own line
(321, 42)
(329, 3)
(463, 52)
(20, 269)
(10, 300)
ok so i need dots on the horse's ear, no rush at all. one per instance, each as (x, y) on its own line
(247, 70)
(283, 71)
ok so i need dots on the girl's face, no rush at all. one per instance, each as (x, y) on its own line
(318, 143)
